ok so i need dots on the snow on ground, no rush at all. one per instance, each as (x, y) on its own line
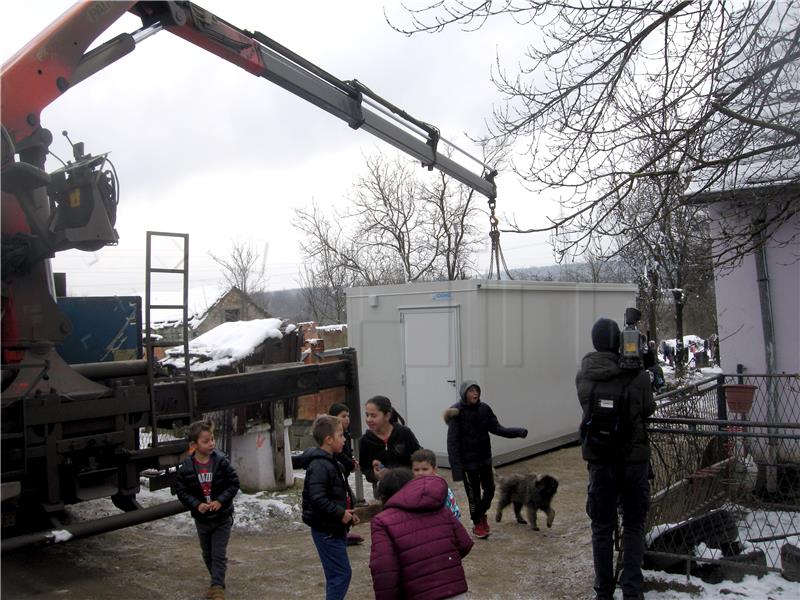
(770, 586)
(761, 524)
(281, 511)
(262, 511)
(690, 376)
(756, 528)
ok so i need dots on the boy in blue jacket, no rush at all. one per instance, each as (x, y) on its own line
(469, 423)
(328, 504)
(206, 483)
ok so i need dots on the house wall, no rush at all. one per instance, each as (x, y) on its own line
(230, 301)
(742, 336)
(739, 310)
(522, 341)
(333, 336)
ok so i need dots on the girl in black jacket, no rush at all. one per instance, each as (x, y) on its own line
(469, 423)
(388, 443)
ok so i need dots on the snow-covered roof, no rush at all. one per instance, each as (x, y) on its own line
(752, 174)
(194, 322)
(225, 345)
(337, 327)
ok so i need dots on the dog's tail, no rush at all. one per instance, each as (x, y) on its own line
(450, 414)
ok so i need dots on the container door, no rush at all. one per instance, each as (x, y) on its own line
(432, 371)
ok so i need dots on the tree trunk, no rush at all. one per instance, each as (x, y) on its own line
(680, 352)
(652, 322)
(278, 444)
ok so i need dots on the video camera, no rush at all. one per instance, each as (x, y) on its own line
(632, 342)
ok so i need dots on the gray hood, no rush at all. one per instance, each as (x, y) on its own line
(465, 385)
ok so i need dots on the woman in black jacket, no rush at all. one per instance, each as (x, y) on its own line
(388, 443)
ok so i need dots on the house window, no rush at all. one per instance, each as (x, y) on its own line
(232, 314)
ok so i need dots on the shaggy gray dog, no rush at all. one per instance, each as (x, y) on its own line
(533, 491)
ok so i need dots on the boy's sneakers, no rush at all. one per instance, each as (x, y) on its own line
(486, 525)
(215, 592)
(481, 529)
(353, 539)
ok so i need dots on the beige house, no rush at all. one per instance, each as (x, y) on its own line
(233, 305)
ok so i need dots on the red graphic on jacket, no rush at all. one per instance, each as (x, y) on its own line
(204, 476)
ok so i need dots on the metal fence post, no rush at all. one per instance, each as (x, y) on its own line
(722, 408)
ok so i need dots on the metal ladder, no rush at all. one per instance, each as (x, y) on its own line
(186, 377)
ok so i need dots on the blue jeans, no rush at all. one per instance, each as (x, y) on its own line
(335, 563)
(628, 485)
(214, 538)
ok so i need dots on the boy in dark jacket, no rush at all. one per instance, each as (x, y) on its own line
(469, 423)
(206, 483)
(328, 505)
(345, 457)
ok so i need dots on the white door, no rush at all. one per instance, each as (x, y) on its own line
(432, 371)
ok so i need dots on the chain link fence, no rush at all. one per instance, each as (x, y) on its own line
(726, 488)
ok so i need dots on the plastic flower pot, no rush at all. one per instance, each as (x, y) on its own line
(739, 397)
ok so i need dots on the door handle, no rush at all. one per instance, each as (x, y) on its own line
(453, 381)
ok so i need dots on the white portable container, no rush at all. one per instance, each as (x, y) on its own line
(521, 340)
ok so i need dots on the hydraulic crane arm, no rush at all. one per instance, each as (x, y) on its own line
(75, 207)
(57, 60)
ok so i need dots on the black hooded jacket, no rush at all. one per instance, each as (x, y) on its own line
(395, 452)
(325, 492)
(601, 371)
(224, 486)
(345, 457)
(468, 429)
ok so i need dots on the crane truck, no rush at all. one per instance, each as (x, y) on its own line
(71, 432)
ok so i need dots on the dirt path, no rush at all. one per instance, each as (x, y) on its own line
(153, 562)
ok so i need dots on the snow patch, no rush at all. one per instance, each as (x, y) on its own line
(60, 535)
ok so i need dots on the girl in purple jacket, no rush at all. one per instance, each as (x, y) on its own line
(417, 542)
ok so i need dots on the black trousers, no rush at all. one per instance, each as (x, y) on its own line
(479, 485)
(612, 485)
(214, 538)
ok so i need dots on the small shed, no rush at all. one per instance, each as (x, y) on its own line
(233, 346)
(523, 341)
(260, 442)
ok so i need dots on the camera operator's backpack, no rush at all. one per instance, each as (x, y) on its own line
(606, 429)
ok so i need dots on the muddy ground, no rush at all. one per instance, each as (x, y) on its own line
(159, 562)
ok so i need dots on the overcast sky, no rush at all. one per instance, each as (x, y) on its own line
(204, 148)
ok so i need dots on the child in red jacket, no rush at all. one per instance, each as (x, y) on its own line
(417, 542)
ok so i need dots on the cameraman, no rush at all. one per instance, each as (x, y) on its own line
(619, 466)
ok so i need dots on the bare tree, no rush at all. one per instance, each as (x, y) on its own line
(391, 220)
(330, 269)
(664, 249)
(399, 229)
(243, 267)
(452, 211)
(727, 73)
